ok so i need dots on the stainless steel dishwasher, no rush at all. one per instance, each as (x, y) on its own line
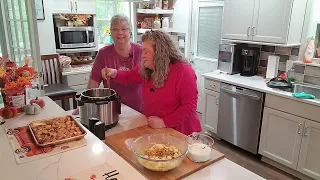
(239, 116)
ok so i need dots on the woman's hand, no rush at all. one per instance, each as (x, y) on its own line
(155, 122)
(108, 72)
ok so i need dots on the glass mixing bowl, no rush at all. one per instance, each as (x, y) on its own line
(143, 143)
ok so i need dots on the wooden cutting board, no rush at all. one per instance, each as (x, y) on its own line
(117, 143)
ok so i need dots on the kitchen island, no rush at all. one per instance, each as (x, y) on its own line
(68, 163)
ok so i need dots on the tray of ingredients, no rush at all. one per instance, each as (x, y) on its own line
(57, 130)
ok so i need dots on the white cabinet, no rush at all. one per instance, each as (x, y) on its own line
(268, 21)
(237, 19)
(85, 6)
(309, 158)
(74, 6)
(62, 6)
(292, 141)
(210, 120)
(280, 138)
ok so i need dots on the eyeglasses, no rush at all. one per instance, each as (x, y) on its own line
(118, 30)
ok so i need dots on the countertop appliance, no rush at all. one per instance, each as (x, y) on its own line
(98, 104)
(250, 57)
(75, 37)
(239, 117)
(229, 57)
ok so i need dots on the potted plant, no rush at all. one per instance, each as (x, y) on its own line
(76, 19)
(13, 82)
(108, 32)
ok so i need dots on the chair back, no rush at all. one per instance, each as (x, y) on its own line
(51, 69)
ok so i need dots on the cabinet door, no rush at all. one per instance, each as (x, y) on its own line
(210, 121)
(271, 21)
(281, 135)
(238, 16)
(309, 158)
(85, 6)
(62, 6)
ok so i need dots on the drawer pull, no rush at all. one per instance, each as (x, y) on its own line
(212, 85)
(305, 130)
(299, 132)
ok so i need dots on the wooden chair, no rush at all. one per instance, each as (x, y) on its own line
(52, 78)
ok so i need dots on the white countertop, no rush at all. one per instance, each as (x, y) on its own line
(255, 83)
(95, 153)
(78, 70)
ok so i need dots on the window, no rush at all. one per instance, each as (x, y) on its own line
(105, 10)
(16, 24)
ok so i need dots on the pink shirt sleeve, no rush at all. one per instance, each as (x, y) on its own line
(187, 93)
(128, 77)
(97, 66)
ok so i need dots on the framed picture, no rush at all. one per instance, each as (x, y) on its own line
(39, 10)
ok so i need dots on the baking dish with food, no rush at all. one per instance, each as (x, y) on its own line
(49, 127)
(158, 152)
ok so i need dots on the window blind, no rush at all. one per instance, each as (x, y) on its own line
(209, 31)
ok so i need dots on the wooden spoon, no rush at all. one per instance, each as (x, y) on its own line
(108, 86)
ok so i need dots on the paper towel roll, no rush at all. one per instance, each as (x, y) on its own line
(273, 66)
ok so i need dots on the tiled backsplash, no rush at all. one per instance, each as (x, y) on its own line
(285, 53)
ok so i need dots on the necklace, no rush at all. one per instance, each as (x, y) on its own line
(124, 67)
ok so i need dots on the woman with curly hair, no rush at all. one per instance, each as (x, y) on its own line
(169, 87)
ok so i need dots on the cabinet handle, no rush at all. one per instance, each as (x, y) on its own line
(299, 132)
(217, 101)
(71, 6)
(305, 131)
(252, 32)
(248, 31)
(76, 6)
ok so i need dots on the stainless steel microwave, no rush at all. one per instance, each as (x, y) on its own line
(76, 37)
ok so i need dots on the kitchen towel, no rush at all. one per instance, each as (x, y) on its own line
(26, 150)
(303, 95)
(272, 67)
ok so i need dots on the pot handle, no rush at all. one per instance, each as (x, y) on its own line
(119, 103)
(101, 102)
(79, 101)
(129, 143)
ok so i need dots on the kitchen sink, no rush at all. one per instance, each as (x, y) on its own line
(309, 89)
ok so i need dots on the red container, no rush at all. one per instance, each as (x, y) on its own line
(14, 98)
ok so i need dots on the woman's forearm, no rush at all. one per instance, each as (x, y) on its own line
(128, 77)
(93, 84)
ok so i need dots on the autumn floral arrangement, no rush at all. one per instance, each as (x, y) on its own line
(76, 19)
(14, 80)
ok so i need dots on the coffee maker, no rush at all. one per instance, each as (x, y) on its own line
(249, 61)
(229, 57)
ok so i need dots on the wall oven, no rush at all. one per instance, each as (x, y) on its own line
(76, 37)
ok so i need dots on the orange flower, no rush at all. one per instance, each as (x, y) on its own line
(23, 81)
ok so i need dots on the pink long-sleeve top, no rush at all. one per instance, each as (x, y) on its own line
(175, 102)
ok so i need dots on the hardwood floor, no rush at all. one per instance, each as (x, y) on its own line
(251, 162)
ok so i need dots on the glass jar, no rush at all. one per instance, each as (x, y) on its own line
(200, 147)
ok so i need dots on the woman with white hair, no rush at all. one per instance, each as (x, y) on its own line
(123, 55)
(169, 87)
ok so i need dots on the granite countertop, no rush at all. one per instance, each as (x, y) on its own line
(257, 83)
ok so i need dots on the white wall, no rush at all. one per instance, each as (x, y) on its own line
(181, 20)
(46, 31)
